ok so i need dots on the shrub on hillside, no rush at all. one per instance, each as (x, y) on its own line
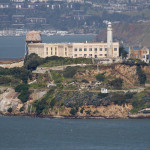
(141, 75)
(100, 77)
(70, 72)
(85, 81)
(73, 111)
(23, 89)
(9, 110)
(19, 73)
(4, 80)
(32, 61)
(117, 83)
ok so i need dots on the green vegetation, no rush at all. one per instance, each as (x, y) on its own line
(121, 98)
(85, 81)
(116, 83)
(69, 72)
(59, 61)
(100, 77)
(141, 75)
(9, 110)
(32, 61)
(23, 89)
(18, 73)
(122, 52)
(88, 112)
(37, 85)
(140, 101)
(73, 111)
(48, 101)
(102, 95)
(132, 62)
(21, 109)
(81, 111)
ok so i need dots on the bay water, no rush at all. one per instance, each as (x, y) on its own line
(24, 133)
(14, 47)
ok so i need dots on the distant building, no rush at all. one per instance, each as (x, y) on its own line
(141, 53)
(73, 50)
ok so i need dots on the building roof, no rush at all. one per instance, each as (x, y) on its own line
(33, 36)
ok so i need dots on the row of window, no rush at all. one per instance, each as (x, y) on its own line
(51, 48)
(90, 55)
(90, 49)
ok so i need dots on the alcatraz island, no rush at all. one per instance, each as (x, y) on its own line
(76, 80)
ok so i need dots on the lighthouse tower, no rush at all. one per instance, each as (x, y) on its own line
(109, 41)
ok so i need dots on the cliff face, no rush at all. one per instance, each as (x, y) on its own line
(110, 111)
(130, 34)
(8, 99)
(89, 104)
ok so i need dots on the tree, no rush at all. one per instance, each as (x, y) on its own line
(100, 77)
(123, 52)
(9, 110)
(117, 83)
(141, 75)
(32, 61)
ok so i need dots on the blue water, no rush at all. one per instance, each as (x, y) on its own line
(23, 133)
(14, 47)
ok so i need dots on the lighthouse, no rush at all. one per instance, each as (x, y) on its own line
(109, 40)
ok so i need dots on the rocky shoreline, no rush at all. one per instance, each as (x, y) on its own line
(130, 116)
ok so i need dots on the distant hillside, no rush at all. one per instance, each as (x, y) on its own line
(130, 34)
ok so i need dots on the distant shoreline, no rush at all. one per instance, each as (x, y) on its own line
(52, 35)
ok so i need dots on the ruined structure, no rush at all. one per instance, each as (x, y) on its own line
(142, 53)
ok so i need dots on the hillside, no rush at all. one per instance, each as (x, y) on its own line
(130, 34)
(75, 90)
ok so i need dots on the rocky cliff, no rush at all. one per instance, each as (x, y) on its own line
(76, 103)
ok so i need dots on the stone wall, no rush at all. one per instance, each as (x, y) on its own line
(13, 64)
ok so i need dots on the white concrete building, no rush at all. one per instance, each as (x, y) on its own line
(74, 50)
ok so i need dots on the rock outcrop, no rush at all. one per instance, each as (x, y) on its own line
(8, 99)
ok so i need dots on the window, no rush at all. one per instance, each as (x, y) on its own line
(80, 49)
(55, 48)
(95, 56)
(101, 55)
(101, 49)
(90, 55)
(47, 48)
(105, 49)
(90, 49)
(85, 49)
(105, 54)
(95, 49)
(85, 55)
(75, 49)
(75, 55)
(51, 48)
(115, 49)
